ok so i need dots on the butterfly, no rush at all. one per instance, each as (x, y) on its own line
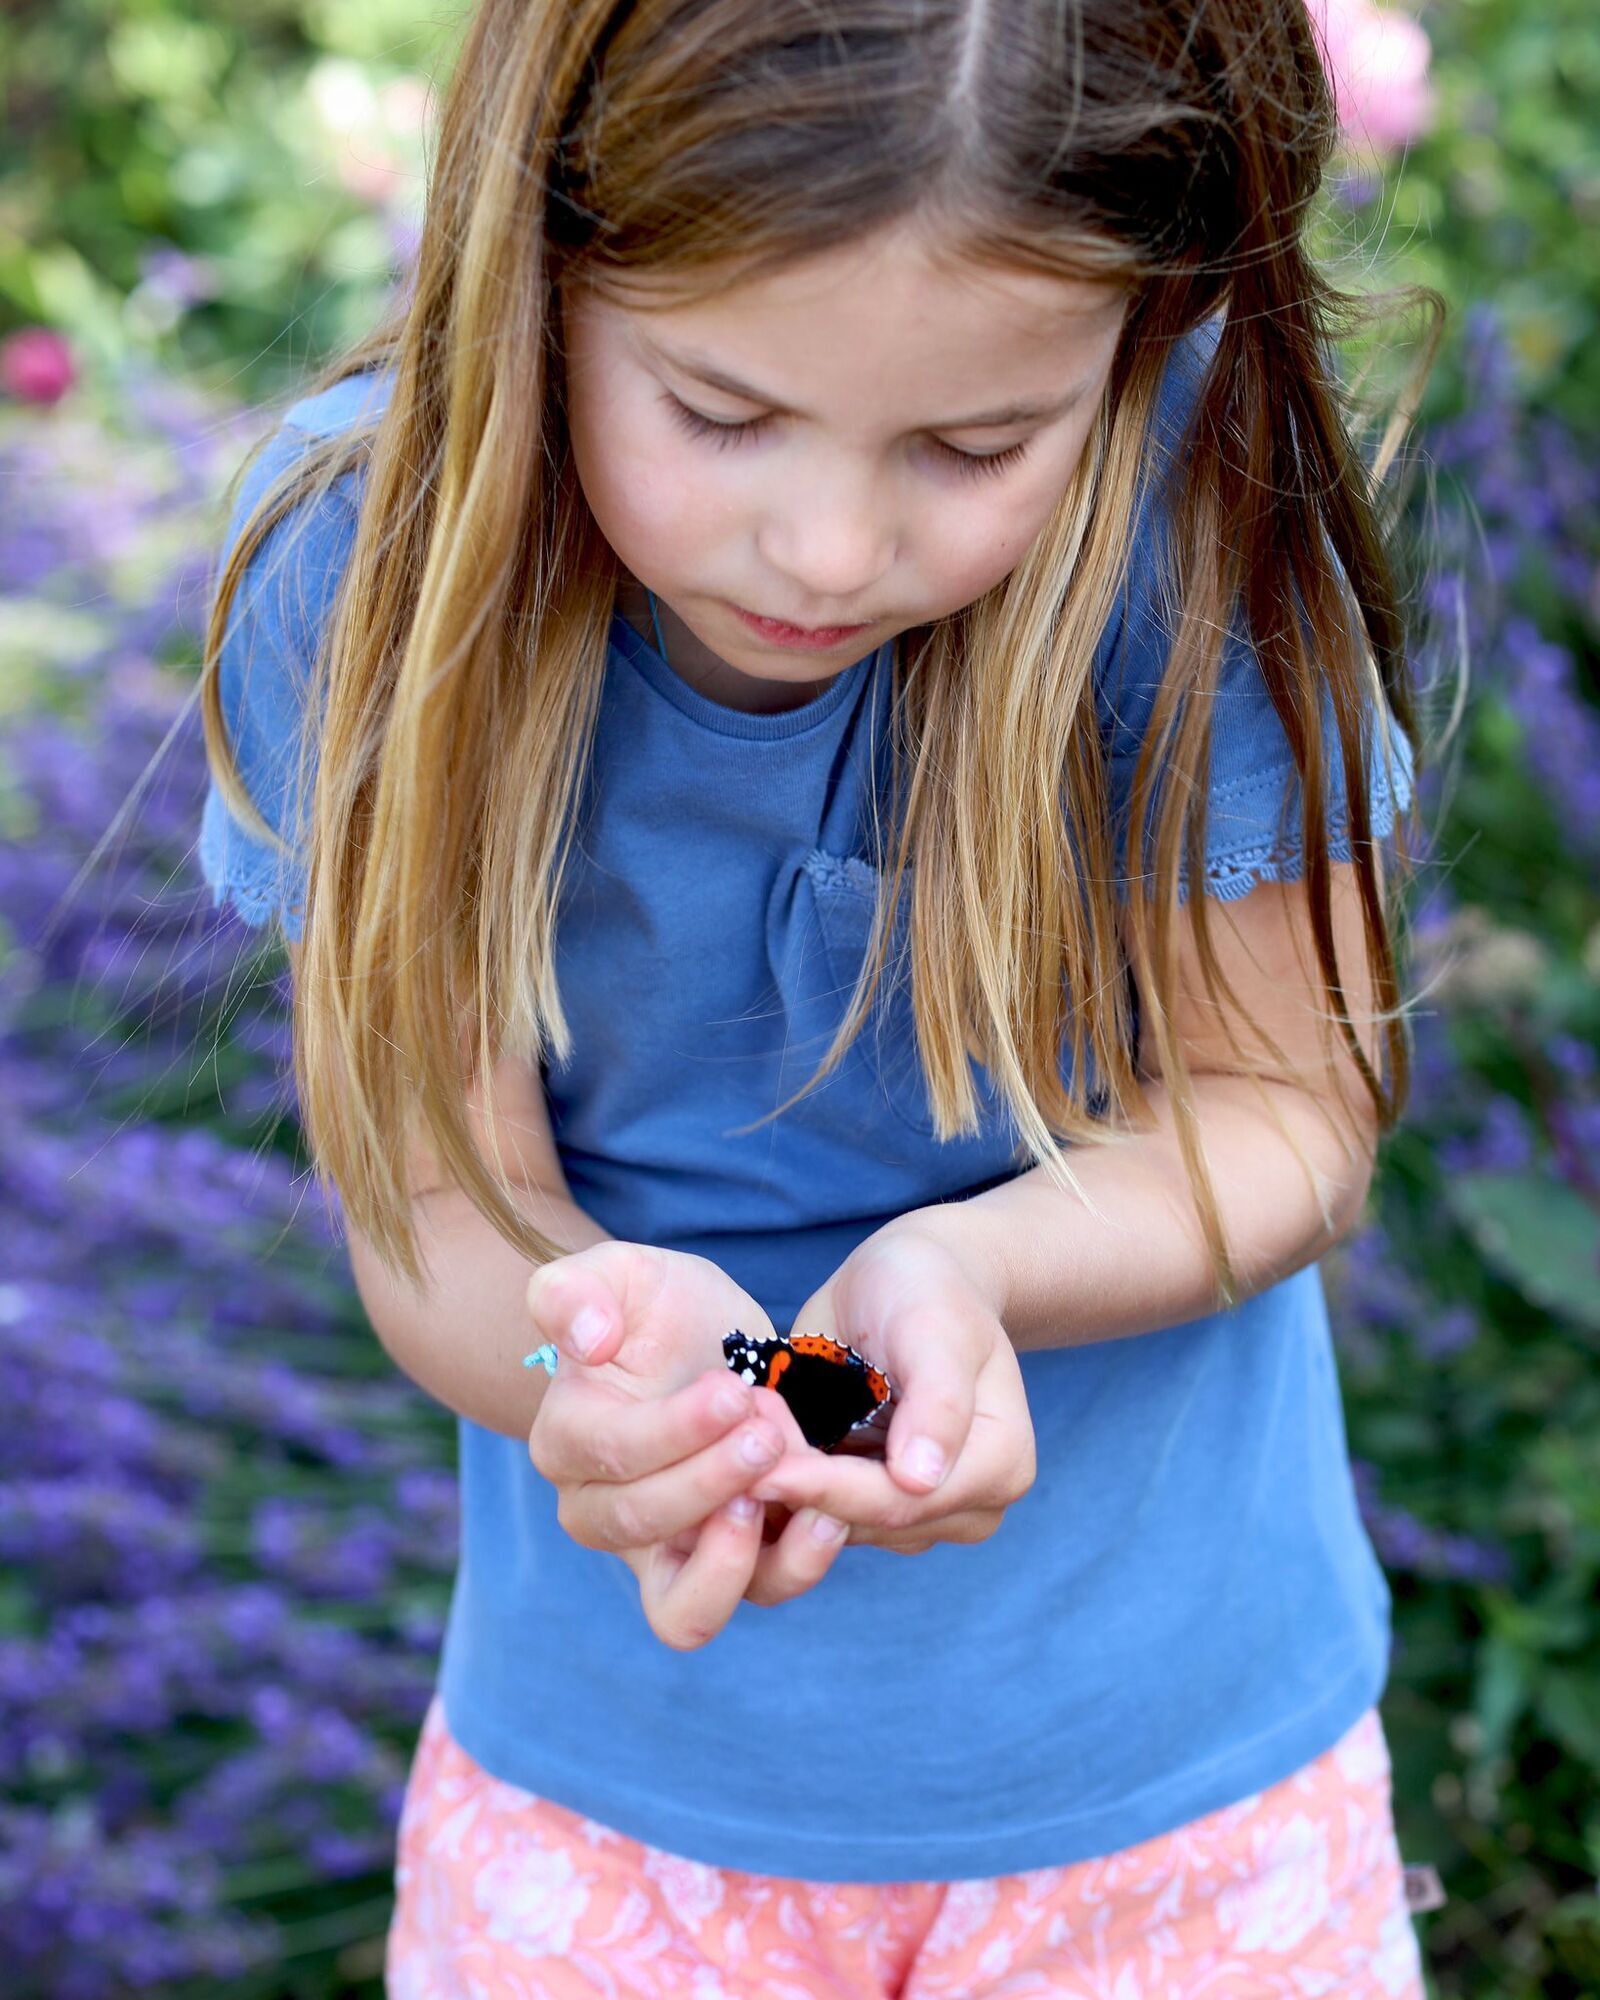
(831, 1389)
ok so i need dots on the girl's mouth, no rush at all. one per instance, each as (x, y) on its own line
(813, 638)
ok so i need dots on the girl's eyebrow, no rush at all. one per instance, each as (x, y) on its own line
(705, 370)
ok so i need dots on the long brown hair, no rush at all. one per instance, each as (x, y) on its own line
(1171, 146)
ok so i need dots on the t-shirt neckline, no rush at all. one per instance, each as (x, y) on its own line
(714, 715)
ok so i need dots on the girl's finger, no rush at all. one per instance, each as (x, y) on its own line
(576, 1311)
(688, 1599)
(631, 1514)
(585, 1302)
(585, 1434)
(872, 1493)
(800, 1557)
(973, 1524)
(862, 1491)
(858, 1490)
(930, 1426)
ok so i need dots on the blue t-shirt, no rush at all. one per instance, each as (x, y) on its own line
(1183, 1609)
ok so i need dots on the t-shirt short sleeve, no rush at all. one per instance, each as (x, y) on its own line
(1254, 809)
(283, 601)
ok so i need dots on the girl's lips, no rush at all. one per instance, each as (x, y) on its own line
(814, 638)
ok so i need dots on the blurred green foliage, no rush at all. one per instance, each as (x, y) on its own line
(219, 134)
(1502, 199)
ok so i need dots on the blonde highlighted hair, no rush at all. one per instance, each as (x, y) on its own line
(1171, 148)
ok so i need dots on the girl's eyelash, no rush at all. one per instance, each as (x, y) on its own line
(723, 434)
(990, 462)
(720, 433)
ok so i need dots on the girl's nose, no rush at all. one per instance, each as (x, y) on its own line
(834, 543)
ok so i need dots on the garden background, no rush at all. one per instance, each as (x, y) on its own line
(226, 1521)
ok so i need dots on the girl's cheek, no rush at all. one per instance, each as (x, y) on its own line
(973, 559)
(977, 544)
(645, 508)
(631, 465)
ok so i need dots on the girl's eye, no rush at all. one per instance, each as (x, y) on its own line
(719, 430)
(994, 461)
(723, 432)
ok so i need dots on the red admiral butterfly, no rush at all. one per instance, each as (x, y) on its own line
(831, 1389)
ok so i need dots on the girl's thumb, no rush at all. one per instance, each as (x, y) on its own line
(577, 1318)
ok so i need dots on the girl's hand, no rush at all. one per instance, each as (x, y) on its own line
(907, 1301)
(646, 1438)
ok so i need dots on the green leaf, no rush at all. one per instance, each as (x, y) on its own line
(1538, 1232)
(1500, 1693)
(1573, 1928)
(1569, 1705)
(1549, 1623)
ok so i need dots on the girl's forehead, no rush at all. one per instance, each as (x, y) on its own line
(887, 314)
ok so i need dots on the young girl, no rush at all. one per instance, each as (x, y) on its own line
(850, 644)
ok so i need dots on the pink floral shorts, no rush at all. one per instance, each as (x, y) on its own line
(1297, 1891)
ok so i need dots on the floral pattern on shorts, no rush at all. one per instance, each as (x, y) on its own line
(1295, 1893)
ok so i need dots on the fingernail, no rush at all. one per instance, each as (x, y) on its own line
(742, 1509)
(824, 1528)
(586, 1332)
(729, 1402)
(924, 1462)
(755, 1448)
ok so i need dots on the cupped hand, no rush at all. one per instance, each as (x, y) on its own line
(917, 1307)
(651, 1442)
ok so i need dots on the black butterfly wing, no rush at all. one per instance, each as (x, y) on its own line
(829, 1397)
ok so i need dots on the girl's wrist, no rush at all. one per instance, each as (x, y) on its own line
(963, 1232)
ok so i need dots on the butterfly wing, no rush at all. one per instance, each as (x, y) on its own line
(831, 1389)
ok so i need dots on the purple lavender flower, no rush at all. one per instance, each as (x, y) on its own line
(1502, 1142)
(197, 1405)
(1403, 1542)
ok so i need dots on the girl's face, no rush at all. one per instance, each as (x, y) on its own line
(864, 442)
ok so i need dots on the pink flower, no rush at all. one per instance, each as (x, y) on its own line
(406, 103)
(36, 365)
(372, 174)
(1377, 63)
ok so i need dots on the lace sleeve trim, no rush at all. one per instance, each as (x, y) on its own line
(246, 875)
(1231, 874)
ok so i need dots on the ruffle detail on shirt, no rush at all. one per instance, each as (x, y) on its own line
(837, 873)
(257, 902)
(245, 875)
(1232, 873)
(1230, 878)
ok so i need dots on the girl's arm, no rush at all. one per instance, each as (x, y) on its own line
(945, 1296)
(463, 1339)
(1061, 1276)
